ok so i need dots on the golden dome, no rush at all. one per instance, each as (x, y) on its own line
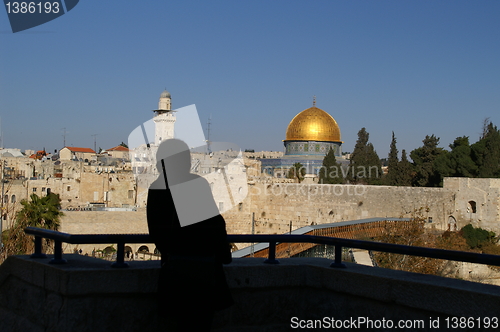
(313, 124)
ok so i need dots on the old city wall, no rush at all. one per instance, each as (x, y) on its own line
(105, 222)
(276, 205)
(477, 202)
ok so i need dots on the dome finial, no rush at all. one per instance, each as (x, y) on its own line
(314, 101)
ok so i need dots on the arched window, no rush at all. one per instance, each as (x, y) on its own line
(108, 250)
(128, 252)
(143, 249)
(13, 198)
(452, 223)
(471, 207)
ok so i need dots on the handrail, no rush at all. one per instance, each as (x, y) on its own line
(339, 243)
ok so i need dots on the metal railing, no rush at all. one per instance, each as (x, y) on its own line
(339, 243)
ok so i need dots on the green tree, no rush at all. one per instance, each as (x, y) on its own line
(486, 153)
(43, 212)
(477, 237)
(423, 161)
(365, 165)
(124, 145)
(331, 172)
(391, 178)
(457, 162)
(297, 171)
(405, 171)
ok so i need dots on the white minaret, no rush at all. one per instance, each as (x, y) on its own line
(164, 119)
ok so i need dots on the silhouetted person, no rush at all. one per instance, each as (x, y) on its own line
(192, 284)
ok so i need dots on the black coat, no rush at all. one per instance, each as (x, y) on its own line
(191, 276)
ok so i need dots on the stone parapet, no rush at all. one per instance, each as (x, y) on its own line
(88, 295)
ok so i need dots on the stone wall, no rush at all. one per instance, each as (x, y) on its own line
(477, 202)
(276, 205)
(105, 222)
(88, 295)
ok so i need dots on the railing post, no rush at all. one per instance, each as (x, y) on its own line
(271, 259)
(38, 249)
(120, 256)
(58, 254)
(338, 257)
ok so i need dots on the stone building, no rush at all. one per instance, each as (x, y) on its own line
(477, 202)
(119, 152)
(74, 153)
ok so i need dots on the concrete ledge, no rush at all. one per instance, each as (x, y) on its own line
(88, 295)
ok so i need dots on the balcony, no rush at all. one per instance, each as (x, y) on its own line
(87, 294)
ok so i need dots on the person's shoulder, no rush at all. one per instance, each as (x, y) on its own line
(158, 184)
(192, 176)
(157, 194)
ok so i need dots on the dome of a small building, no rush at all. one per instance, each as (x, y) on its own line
(165, 94)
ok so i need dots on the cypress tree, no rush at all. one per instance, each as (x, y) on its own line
(486, 153)
(365, 165)
(405, 171)
(331, 172)
(391, 177)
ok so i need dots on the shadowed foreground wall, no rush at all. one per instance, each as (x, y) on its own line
(88, 295)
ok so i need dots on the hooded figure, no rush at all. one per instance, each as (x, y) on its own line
(192, 283)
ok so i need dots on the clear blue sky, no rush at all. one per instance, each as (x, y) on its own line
(413, 67)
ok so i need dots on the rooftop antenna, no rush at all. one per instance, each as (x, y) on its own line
(95, 146)
(208, 134)
(64, 136)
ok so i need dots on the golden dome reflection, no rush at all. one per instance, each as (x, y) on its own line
(313, 124)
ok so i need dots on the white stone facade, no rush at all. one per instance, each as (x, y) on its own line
(164, 126)
(164, 119)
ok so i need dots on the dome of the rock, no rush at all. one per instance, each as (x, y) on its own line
(313, 124)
